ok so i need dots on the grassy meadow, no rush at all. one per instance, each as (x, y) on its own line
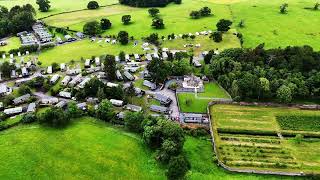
(246, 138)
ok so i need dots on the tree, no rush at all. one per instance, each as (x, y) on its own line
(54, 117)
(6, 68)
(158, 70)
(105, 24)
(316, 6)
(101, 94)
(264, 86)
(29, 118)
(44, 5)
(217, 36)
(153, 12)
(123, 37)
(24, 89)
(284, 94)
(131, 91)
(178, 167)
(93, 5)
(177, 1)
(126, 19)
(283, 8)
(157, 23)
(110, 67)
(92, 28)
(74, 111)
(195, 14)
(224, 25)
(105, 111)
(153, 39)
(133, 120)
(205, 11)
(122, 56)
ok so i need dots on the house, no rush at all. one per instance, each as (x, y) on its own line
(80, 35)
(63, 67)
(49, 70)
(75, 81)
(137, 57)
(65, 94)
(164, 56)
(4, 89)
(21, 99)
(49, 101)
(24, 72)
(128, 76)
(159, 109)
(73, 71)
(149, 57)
(13, 111)
(119, 76)
(84, 82)
(164, 100)
(116, 102)
(97, 61)
(87, 63)
(31, 107)
(133, 108)
(66, 80)
(54, 78)
(110, 85)
(150, 85)
(61, 104)
(82, 106)
(193, 118)
(127, 57)
(191, 84)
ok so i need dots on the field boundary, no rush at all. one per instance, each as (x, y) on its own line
(224, 166)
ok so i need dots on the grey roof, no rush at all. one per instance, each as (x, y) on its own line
(161, 109)
(128, 75)
(132, 107)
(61, 104)
(149, 84)
(21, 99)
(31, 107)
(162, 98)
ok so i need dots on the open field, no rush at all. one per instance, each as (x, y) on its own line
(13, 43)
(176, 19)
(84, 48)
(57, 6)
(246, 138)
(87, 149)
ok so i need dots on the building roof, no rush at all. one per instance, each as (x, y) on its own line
(31, 107)
(21, 99)
(159, 108)
(134, 108)
(149, 84)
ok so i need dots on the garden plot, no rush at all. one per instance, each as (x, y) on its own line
(246, 137)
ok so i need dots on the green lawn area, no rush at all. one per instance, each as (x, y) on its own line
(213, 90)
(13, 43)
(57, 6)
(87, 149)
(84, 48)
(195, 105)
(176, 19)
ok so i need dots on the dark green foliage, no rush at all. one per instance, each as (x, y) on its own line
(224, 25)
(126, 19)
(178, 167)
(92, 28)
(217, 36)
(122, 56)
(73, 111)
(153, 38)
(105, 111)
(105, 24)
(123, 37)
(148, 3)
(54, 117)
(283, 8)
(110, 67)
(157, 23)
(195, 14)
(133, 121)
(93, 5)
(153, 12)
(44, 5)
(158, 70)
(6, 69)
(24, 89)
(299, 123)
(205, 11)
(29, 118)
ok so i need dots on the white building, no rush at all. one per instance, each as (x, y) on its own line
(13, 111)
(54, 78)
(116, 102)
(66, 80)
(65, 94)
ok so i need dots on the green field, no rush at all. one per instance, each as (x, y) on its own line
(213, 90)
(85, 150)
(13, 43)
(246, 138)
(57, 6)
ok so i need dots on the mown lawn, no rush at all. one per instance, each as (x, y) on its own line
(87, 149)
(213, 90)
(194, 104)
(13, 43)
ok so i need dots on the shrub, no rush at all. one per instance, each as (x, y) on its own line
(54, 117)
(29, 118)
(93, 5)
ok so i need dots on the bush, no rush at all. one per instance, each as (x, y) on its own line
(178, 167)
(24, 89)
(133, 121)
(54, 117)
(29, 118)
(93, 5)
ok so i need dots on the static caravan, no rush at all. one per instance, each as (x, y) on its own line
(116, 102)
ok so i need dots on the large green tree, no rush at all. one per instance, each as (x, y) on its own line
(92, 28)
(44, 5)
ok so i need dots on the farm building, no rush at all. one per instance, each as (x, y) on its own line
(21, 99)
(31, 107)
(66, 80)
(13, 111)
(159, 109)
(54, 78)
(65, 94)
(116, 102)
(129, 76)
(150, 85)
(133, 108)
(164, 100)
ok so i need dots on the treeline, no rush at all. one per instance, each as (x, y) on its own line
(17, 19)
(148, 3)
(258, 74)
